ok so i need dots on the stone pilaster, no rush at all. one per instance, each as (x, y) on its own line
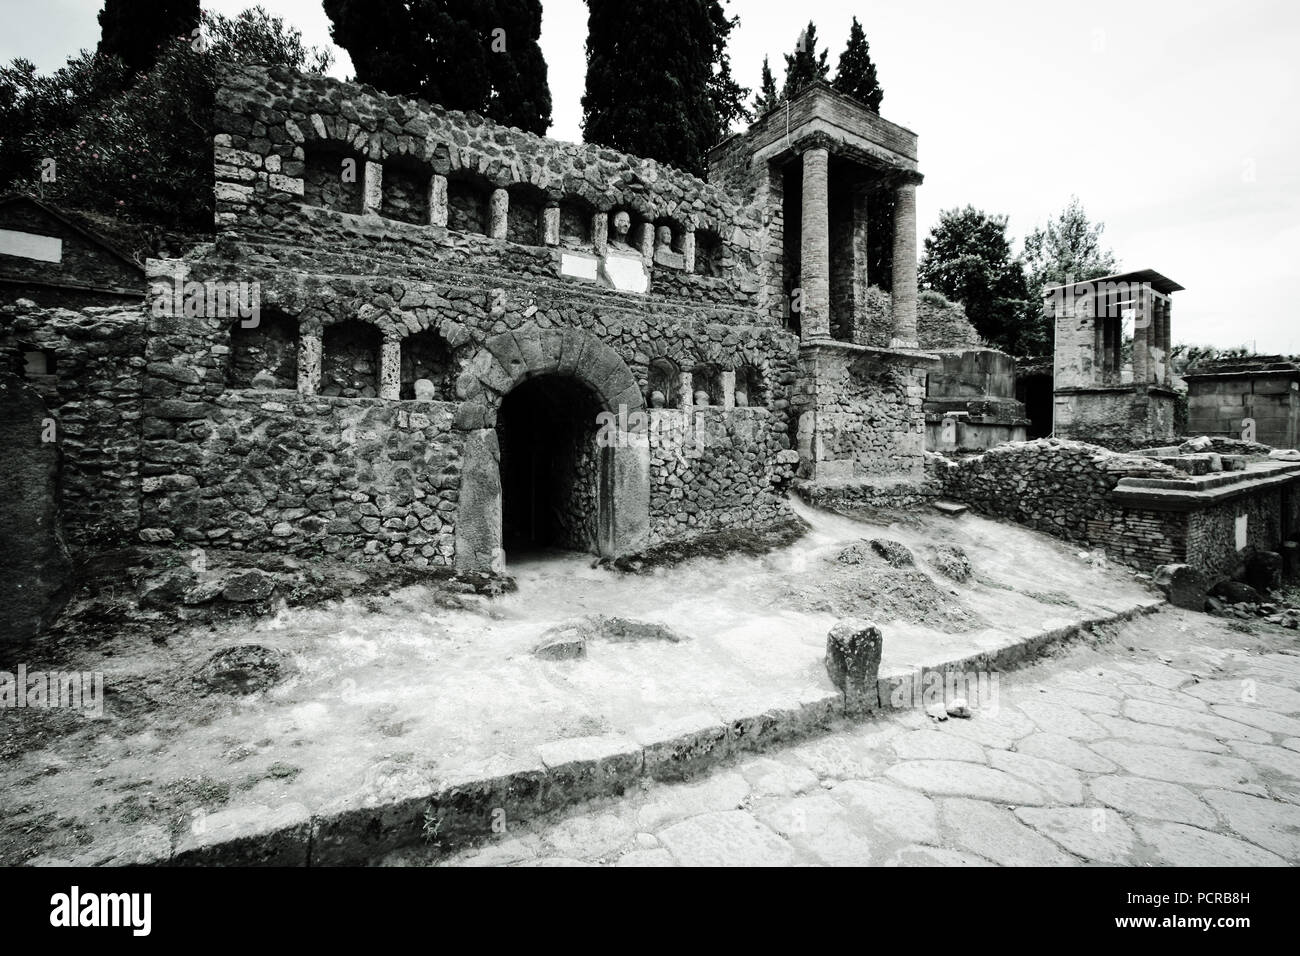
(904, 275)
(437, 200)
(498, 213)
(814, 258)
(729, 388)
(309, 363)
(600, 233)
(551, 226)
(390, 368)
(372, 192)
(645, 240)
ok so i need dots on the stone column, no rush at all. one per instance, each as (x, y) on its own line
(814, 254)
(904, 285)
(600, 233)
(390, 368)
(551, 225)
(309, 363)
(687, 397)
(372, 192)
(1164, 338)
(688, 250)
(437, 200)
(1141, 339)
(498, 213)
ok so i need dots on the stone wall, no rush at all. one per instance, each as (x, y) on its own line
(268, 470)
(861, 413)
(713, 470)
(941, 325)
(1068, 489)
(1266, 389)
(1121, 417)
(91, 373)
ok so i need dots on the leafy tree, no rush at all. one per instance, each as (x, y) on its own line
(143, 153)
(856, 75)
(1067, 249)
(767, 95)
(659, 80)
(968, 258)
(805, 65)
(136, 32)
(479, 55)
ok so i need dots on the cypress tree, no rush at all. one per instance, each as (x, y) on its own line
(480, 55)
(658, 79)
(767, 95)
(805, 65)
(856, 76)
(134, 30)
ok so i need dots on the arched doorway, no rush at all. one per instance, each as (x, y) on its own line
(550, 466)
(555, 450)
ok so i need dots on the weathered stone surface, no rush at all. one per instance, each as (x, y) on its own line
(1236, 592)
(729, 838)
(1060, 783)
(853, 650)
(1156, 799)
(819, 825)
(991, 832)
(899, 812)
(244, 669)
(942, 777)
(1177, 844)
(1184, 586)
(589, 837)
(34, 562)
(952, 562)
(723, 791)
(252, 585)
(1181, 766)
(1090, 832)
(936, 745)
(564, 642)
(893, 552)
(1264, 570)
(1064, 751)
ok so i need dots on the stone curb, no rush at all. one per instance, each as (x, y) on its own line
(561, 773)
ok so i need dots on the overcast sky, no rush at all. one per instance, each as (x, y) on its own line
(1176, 123)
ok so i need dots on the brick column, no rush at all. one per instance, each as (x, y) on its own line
(814, 256)
(372, 192)
(904, 287)
(309, 363)
(498, 213)
(551, 226)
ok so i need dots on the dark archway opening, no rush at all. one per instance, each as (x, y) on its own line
(550, 466)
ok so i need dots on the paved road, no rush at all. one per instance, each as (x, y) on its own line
(1174, 741)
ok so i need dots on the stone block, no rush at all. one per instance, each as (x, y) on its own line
(853, 649)
(1184, 586)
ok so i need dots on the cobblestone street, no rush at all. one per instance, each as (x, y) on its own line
(1175, 741)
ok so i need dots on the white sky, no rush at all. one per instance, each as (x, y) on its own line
(1177, 123)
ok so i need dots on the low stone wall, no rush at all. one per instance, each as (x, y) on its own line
(1069, 489)
(1060, 487)
(275, 471)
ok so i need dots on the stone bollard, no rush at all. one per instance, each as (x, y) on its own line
(1184, 586)
(853, 663)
